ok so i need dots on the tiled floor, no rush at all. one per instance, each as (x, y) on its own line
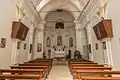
(60, 73)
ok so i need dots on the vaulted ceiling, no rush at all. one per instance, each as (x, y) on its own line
(44, 7)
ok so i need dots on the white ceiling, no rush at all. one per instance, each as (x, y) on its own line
(74, 6)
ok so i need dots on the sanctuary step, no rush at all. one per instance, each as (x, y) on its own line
(59, 61)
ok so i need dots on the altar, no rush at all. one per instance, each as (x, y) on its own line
(59, 54)
(59, 58)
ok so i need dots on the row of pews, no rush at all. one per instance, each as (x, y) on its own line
(89, 70)
(35, 69)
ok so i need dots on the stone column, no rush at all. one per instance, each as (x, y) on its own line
(79, 45)
(15, 52)
(39, 40)
(31, 34)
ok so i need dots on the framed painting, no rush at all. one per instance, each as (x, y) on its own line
(24, 46)
(30, 48)
(96, 46)
(89, 48)
(3, 43)
(71, 42)
(39, 47)
(18, 45)
(104, 45)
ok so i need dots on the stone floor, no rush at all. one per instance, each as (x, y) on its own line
(60, 72)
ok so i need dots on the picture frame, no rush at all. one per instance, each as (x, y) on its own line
(3, 43)
(24, 46)
(30, 48)
(39, 47)
(96, 46)
(18, 45)
(104, 45)
(89, 48)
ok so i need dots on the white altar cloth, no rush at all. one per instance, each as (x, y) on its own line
(59, 54)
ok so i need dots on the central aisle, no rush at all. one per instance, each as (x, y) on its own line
(60, 73)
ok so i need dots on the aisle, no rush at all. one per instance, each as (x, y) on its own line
(60, 73)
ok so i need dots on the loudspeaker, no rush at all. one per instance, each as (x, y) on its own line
(19, 30)
(103, 29)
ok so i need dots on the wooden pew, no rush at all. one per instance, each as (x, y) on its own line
(82, 63)
(40, 62)
(48, 66)
(35, 64)
(80, 73)
(29, 67)
(45, 68)
(17, 76)
(24, 71)
(99, 78)
(79, 68)
(30, 71)
(89, 68)
(86, 65)
(43, 60)
(79, 60)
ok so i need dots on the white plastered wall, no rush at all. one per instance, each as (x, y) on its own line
(9, 14)
(66, 33)
(113, 13)
(89, 21)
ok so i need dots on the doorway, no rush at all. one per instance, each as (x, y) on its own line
(69, 54)
(49, 53)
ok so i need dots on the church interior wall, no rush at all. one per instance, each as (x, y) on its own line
(9, 14)
(113, 13)
(23, 54)
(98, 55)
(66, 33)
(92, 19)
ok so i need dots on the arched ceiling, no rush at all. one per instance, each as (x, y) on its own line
(74, 6)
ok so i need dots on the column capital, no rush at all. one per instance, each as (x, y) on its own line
(76, 21)
(39, 29)
(79, 28)
(42, 22)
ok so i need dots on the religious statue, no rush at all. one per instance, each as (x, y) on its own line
(48, 42)
(59, 40)
(71, 42)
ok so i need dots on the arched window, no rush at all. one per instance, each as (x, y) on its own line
(59, 24)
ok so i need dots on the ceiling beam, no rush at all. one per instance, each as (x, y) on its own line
(35, 9)
(84, 8)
